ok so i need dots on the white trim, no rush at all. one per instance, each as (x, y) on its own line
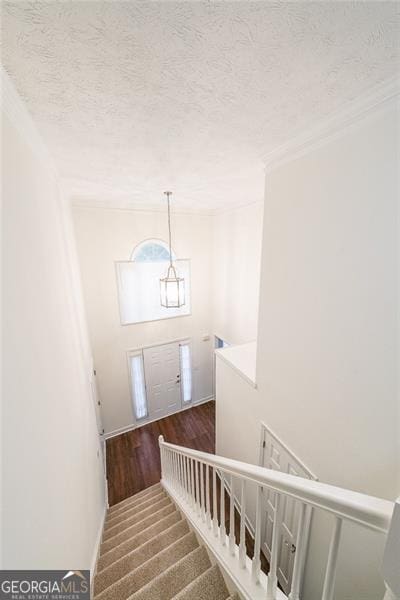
(228, 209)
(96, 551)
(335, 125)
(18, 114)
(155, 344)
(94, 204)
(133, 426)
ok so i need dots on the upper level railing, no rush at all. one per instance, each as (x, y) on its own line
(195, 480)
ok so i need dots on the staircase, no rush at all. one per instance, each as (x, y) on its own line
(148, 552)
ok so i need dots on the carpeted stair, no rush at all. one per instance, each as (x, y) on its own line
(148, 552)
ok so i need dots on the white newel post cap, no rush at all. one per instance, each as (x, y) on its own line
(391, 557)
(160, 439)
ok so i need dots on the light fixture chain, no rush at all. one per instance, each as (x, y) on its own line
(169, 228)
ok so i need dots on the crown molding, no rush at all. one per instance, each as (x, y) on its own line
(228, 209)
(372, 102)
(93, 204)
(16, 111)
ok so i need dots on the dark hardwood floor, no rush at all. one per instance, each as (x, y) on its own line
(133, 458)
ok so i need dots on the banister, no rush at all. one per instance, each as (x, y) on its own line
(371, 512)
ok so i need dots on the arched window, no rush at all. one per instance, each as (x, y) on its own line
(151, 251)
(138, 282)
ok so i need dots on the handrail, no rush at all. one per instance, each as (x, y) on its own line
(369, 511)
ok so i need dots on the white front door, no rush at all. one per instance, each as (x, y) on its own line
(162, 374)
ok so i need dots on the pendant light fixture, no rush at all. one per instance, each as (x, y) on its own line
(172, 287)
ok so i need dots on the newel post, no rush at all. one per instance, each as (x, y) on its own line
(391, 557)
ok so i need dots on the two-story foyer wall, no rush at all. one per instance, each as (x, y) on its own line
(107, 235)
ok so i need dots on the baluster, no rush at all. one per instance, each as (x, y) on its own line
(180, 474)
(215, 513)
(185, 479)
(174, 469)
(242, 545)
(208, 497)
(329, 583)
(197, 488)
(203, 510)
(222, 529)
(298, 559)
(167, 465)
(272, 576)
(193, 502)
(232, 520)
(181, 468)
(256, 565)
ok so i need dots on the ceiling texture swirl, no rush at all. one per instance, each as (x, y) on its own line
(133, 98)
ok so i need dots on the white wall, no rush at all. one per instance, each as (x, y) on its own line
(105, 236)
(236, 267)
(52, 483)
(327, 346)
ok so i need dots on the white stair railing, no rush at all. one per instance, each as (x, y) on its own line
(191, 478)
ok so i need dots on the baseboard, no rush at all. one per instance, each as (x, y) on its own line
(133, 426)
(96, 551)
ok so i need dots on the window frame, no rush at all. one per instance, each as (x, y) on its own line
(147, 241)
(188, 292)
(130, 355)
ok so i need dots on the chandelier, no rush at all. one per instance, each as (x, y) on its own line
(172, 287)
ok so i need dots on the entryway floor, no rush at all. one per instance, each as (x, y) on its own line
(133, 458)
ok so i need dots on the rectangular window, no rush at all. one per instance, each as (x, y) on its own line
(138, 286)
(138, 386)
(186, 371)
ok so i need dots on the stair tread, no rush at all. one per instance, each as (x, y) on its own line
(136, 518)
(114, 518)
(175, 578)
(131, 561)
(142, 575)
(130, 532)
(135, 498)
(143, 536)
(209, 585)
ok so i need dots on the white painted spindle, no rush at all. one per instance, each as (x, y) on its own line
(272, 575)
(232, 520)
(222, 529)
(185, 477)
(242, 543)
(197, 488)
(300, 549)
(203, 505)
(256, 565)
(208, 497)
(193, 494)
(329, 583)
(215, 512)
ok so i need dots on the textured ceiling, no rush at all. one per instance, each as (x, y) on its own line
(136, 97)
